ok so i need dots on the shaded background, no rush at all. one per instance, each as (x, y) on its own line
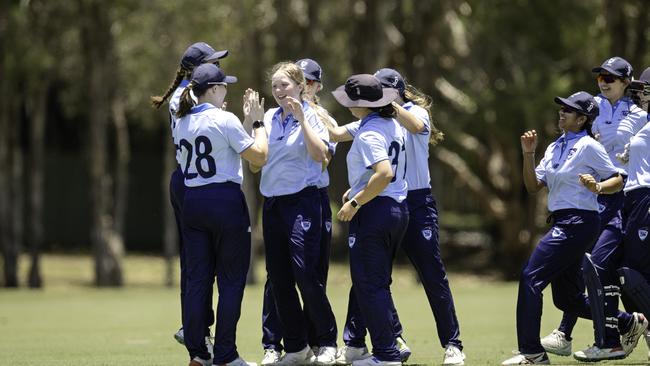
(85, 161)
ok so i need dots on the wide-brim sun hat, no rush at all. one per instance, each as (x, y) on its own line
(364, 90)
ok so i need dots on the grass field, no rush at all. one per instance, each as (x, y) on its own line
(71, 323)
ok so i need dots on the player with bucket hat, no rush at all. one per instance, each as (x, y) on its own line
(375, 207)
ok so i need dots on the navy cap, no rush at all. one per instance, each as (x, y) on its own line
(581, 101)
(210, 74)
(199, 53)
(364, 90)
(645, 76)
(311, 69)
(391, 79)
(616, 66)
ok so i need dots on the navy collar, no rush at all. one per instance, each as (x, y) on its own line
(371, 115)
(201, 107)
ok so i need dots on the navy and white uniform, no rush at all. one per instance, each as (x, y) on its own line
(614, 127)
(292, 219)
(271, 328)
(420, 242)
(177, 195)
(377, 228)
(216, 226)
(636, 211)
(557, 257)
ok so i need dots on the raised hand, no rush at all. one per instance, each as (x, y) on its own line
(529, 141)
(253, 108)
(295, 108)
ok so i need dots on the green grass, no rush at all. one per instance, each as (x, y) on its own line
(71, 323)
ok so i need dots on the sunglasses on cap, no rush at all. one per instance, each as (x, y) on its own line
(608, 78)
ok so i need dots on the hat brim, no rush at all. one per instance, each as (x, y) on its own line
(311, 77)
(216, 56)
(608, 69)
(568, 103)
(230, 79)
(342, 97)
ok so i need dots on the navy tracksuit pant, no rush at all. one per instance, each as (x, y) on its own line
(176, 196)
(556, 260)
(217, 239)
(422, 247)
(375, 232)
(271, 328)
(606, 255)
(292, 238)
(636, 240)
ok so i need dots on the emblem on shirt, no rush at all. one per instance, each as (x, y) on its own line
(643, 233)
(571, 152)
(558, 233)
(427, 233)
(351, 240)
(328, 226)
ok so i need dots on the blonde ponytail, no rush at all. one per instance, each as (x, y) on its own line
(418, 98)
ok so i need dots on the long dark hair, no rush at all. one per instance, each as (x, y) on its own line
(186, 103)
(387, 111)
(182, 73)
(412, 94)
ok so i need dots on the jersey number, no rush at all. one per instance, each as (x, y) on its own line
(203, 148)
(396, 148)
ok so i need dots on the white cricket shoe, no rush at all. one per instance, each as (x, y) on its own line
(594, 353)
(240, 362)
(528, 359)
(630, 339)
(647, 342)
(372, 361)
(348, 354)
(453, 356)
(556, 343)
(179, 336)
(404, 350)
(302, 357)
(271, 357)
(325, 356)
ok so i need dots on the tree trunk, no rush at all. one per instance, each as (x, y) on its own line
(123, 156)
(5, 173)
(34, 237)
(97, 44)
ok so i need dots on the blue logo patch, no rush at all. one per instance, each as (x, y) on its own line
(351, 240)
(643, 233)
(328, 226)
(427, 233)
(558, 233)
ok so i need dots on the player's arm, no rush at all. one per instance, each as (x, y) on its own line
(408, 120)
(528, 146)
(258, 152)
(379, 180)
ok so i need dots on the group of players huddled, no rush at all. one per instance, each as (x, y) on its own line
(597, 174)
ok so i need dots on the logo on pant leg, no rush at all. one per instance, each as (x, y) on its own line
(305, 225)
(427, 233)
(601, 208)
(351, 240)
(643, 233)
(328, 226)
(558, 233)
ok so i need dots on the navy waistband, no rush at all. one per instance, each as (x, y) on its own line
(557, 214)
(304, 192)
(215, 185)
